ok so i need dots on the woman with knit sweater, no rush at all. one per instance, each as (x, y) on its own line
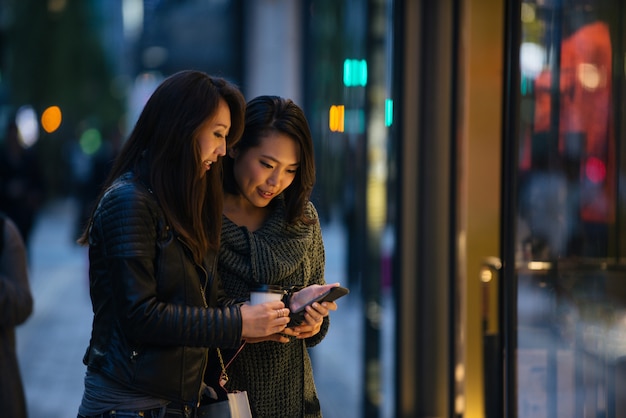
(271, 235)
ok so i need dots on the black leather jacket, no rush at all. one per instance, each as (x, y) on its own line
(152, 324)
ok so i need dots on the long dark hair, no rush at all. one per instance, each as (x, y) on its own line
(268, 114)
(165, 138)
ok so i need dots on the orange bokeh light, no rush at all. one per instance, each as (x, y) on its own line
(51, 119)
(336, 118)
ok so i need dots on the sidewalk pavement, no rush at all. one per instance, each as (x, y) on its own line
(52, 342)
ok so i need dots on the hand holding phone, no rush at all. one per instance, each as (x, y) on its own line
(311, 294)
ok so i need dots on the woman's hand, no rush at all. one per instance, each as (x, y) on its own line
(303, 296)
(263, 320)
(314, 317)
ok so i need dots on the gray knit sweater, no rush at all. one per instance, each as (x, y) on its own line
(278, 377)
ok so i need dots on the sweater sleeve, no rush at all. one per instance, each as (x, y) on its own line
(16, 302)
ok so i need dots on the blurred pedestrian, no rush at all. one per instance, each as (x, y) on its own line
(153, 240)
(95, 173)
(271, 235)
(16, 305)
(21, 182)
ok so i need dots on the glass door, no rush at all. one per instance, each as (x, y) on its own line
(564, 285)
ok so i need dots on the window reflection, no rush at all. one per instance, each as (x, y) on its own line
(567, 194)
(571, 293)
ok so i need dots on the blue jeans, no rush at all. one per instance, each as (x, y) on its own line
(126, 414)
(151, 413)
(169, 411)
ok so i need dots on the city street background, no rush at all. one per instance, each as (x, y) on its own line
(52, 342)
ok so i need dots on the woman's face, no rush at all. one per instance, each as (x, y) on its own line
(265, 171)
(212, 136)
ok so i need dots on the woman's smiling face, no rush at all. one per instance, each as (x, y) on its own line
(265, 171)
(212, 136)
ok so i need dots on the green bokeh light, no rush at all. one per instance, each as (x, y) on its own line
(90, 141)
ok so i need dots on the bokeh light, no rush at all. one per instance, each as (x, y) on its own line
(90, 141)
(336, 118)
(51, 119)
(595, 169)
(26, 120)
(388, 112)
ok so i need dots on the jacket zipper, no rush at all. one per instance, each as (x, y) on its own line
(206, 305)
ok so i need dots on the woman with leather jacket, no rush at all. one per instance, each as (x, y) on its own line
(153, 238)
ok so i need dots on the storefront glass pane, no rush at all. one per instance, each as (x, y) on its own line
(571, 275)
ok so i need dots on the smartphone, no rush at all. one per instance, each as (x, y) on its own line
(334, 293)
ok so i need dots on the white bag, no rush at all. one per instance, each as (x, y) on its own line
(237, 406)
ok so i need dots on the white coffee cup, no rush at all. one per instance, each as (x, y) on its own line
(266, 293)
